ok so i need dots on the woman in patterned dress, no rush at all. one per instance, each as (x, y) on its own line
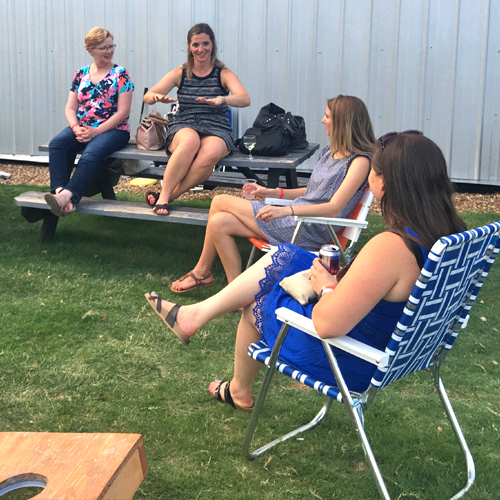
(200, 134)
(336, 184)
(97, 111)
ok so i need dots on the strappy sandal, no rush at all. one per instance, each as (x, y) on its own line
(168, 318)
(228, 399)
(161, 207)
(198, 282)
(154, 195)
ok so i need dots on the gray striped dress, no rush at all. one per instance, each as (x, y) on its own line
(204, 118)
(326, 178)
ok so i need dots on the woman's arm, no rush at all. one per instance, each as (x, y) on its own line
(384, 269)
(238, 97)
(158, 93)
(354, 179)
(71, 109)
(288, 194)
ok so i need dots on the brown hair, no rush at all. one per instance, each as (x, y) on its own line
(96, 36)
(417, 190)
(198, 29)
(352, 130)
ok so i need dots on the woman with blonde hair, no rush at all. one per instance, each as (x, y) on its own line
(97, 112)
(336, 184)
(200, 134)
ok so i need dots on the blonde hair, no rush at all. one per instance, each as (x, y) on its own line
(352, 130)
(96, 36)
(198, 29)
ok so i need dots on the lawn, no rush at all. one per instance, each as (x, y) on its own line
(81, 351)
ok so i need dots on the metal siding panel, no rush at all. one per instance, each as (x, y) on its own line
(252, 55)
(410, 67)
(440, 75)
(468, 101)
(490, 144)
(276, 53)
(7, 79)
(382, 50)
(356, 48)
(204, 11)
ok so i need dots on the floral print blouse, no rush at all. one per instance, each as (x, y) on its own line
(98, 102)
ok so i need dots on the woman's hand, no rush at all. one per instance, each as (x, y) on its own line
(85, 133)
(162, 98)
(216, 101)
(320, 277)
(253, 189)
(270, 212)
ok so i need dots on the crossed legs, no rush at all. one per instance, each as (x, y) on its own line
(229, 216)
(193, 158)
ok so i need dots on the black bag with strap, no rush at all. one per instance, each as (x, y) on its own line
(276, 132)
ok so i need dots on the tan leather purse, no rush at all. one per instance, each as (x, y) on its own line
(152, 132)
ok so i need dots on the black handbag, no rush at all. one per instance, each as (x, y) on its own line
(276, 132)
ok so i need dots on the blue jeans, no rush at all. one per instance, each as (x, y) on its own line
(63, 149)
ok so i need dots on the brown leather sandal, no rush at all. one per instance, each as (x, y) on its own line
(198, 282)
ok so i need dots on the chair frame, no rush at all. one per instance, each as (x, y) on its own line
(346, 240)
(389, 362)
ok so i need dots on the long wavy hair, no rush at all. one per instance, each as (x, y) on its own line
(198, 29)
(418, 193)
(352, 130)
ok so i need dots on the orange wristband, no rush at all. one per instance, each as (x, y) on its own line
(73, 126)
(282, 192)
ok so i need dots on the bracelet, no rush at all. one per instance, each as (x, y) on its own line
(282, 192)
(293, 213)
(325, 289)
(223, 100)
(73, 126)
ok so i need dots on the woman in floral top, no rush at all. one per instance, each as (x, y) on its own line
(97, 111)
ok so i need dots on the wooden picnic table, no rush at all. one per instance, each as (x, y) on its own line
(272, 166)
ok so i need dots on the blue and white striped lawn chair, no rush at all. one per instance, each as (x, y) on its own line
(434, 314)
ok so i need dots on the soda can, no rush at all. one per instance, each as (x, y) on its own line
(330, 258)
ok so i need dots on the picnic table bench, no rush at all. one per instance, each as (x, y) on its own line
(266, 170)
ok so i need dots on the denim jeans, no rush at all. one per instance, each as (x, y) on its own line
(63, 149)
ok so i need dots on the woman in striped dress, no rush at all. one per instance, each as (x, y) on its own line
(200, 134)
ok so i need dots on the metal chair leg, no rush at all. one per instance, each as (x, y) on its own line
(259, 404)
(471, 469)
(251, 259)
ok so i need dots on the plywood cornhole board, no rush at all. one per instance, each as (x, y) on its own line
(73, 466)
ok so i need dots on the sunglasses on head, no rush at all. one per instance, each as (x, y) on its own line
(387, 138)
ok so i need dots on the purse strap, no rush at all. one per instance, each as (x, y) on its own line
(158, 119)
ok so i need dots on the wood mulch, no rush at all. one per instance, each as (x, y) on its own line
(37, 175)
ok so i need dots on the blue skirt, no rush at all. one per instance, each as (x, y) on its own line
(304, 352)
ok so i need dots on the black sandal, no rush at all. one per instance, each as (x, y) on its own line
(228, 399)
(161, 207)
(154, 195)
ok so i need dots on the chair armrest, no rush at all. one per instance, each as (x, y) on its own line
(278, 202)
(352, 346)
(333, 221)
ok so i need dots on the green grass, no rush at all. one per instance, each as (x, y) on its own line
(82, 352)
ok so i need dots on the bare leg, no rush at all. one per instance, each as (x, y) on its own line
(245, 368)
(229, 216)
(239, 293)
(184, 147)
(211, 150)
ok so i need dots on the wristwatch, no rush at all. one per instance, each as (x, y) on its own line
(325, 289)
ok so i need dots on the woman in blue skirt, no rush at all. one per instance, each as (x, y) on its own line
(409, 177)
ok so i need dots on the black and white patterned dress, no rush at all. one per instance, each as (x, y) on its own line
(326, 178)
(204, 118)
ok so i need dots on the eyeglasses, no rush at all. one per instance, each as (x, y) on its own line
(104, 49)
(387, 138)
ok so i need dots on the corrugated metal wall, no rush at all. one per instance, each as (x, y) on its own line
(427, 64)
